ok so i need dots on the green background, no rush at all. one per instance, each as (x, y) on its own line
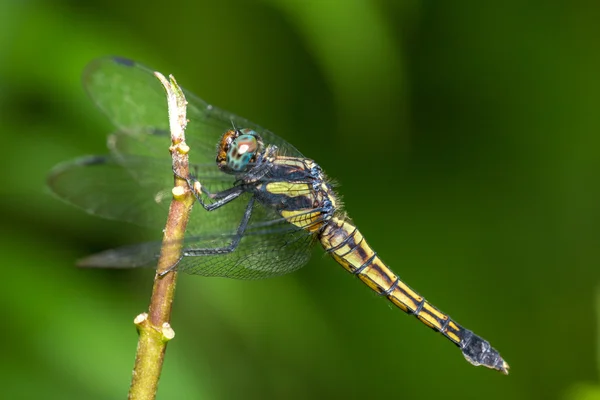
(465, 136)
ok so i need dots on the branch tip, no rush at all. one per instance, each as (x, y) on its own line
(178, 192)
(183, 148)
(140, 318)
(167, 332)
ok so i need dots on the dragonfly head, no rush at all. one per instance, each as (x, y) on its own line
(238, 151)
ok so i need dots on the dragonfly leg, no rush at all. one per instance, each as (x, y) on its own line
(231, 246)
(217, 250)
(221, 198)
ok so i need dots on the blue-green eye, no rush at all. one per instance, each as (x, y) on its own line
(242, 151)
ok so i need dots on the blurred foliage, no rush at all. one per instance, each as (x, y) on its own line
(465, 137)
(587, 390)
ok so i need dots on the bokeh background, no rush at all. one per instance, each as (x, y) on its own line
(465, 136)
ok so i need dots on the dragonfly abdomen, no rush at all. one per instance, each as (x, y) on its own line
(348, 247)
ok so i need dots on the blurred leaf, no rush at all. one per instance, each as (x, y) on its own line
(583, 392)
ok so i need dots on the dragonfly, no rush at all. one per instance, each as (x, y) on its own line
(262, 204)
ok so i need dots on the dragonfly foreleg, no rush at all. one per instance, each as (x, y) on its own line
(221, 198)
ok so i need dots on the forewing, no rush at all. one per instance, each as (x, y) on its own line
(134, 100)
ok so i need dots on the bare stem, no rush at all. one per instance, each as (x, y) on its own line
(153, 328)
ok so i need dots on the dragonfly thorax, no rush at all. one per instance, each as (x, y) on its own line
(239, 150)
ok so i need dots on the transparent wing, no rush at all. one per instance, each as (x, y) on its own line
(134, 100)
(266, 249)
(258, 256)
(101, 186)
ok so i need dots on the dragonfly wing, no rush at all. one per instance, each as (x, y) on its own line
(134, 189)
(137, 255)
(270, 246)
(266, 249)
(256, 257)
(101, 186)
(130, 95)
(134, 100)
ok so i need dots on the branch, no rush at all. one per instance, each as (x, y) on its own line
(153, 328)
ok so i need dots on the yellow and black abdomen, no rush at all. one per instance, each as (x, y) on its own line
(347, 246)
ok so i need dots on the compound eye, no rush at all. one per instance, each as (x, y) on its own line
(241, 152)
